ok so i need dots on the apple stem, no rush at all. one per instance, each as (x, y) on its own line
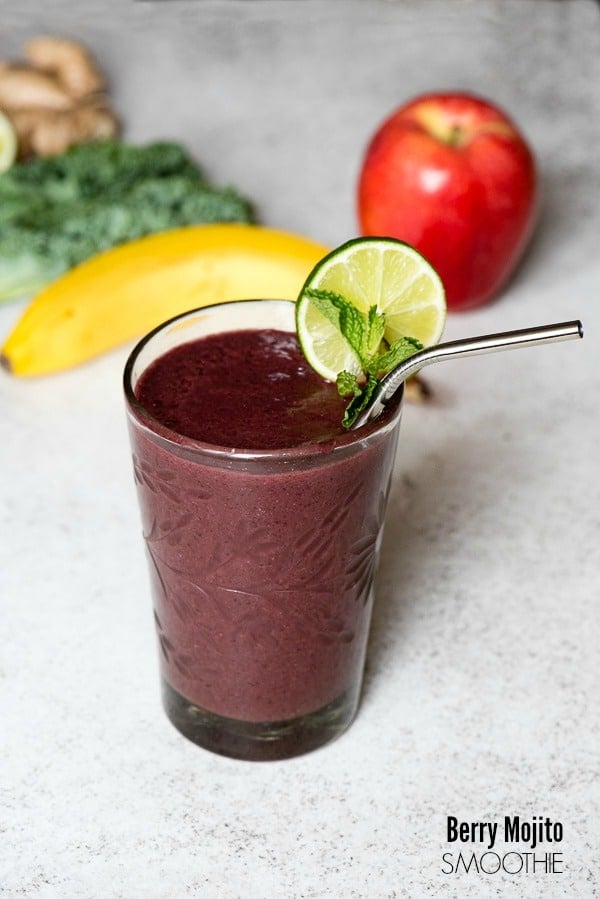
(455, 136)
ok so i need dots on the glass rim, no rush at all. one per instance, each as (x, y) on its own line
(154, 427)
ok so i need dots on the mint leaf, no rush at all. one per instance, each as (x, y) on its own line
(353, 325)
(359, 402)
(344, 316)
(347, 384)
(364, 334)
(328, 303)
(400, 350)
(375, 329)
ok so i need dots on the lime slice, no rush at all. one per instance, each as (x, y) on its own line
(370, 271)
(8, 143)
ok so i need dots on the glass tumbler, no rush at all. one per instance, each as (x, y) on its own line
(261, 564)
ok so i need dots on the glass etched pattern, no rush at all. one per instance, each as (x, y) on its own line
(261, 616)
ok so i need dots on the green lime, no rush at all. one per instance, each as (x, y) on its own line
(8, 143)
(370, 271)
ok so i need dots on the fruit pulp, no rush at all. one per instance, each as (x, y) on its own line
(262, 563)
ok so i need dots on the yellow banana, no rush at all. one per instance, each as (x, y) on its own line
(124, 292)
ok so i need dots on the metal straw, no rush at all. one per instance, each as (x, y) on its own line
(471, 346)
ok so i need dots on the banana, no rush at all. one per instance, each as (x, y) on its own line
(124, 292)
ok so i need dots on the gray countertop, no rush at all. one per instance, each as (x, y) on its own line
(481, 691)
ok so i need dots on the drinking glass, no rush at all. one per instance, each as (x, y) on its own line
(261, 563)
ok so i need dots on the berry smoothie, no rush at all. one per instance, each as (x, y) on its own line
(262, 519)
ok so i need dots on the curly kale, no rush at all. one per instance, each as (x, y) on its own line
(58, 211)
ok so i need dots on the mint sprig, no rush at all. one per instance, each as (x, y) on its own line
(364, 333)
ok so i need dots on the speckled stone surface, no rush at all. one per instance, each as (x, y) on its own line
(481, 690)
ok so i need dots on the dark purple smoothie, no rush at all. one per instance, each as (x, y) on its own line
(262, 567)
(244, 389)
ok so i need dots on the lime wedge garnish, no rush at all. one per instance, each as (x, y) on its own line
(371, 271)
(8, 143)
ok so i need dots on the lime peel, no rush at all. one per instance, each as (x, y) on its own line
(373, 271)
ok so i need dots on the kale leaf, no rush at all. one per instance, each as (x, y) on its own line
(58, 211)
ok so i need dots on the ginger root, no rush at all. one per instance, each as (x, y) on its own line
(22, 87)
(70, 63)
(56, 99)
(416, 390)
(45, 132)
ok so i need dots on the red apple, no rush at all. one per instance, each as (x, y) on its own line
(452, 175)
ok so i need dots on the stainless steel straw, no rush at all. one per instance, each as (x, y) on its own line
(470, 346)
